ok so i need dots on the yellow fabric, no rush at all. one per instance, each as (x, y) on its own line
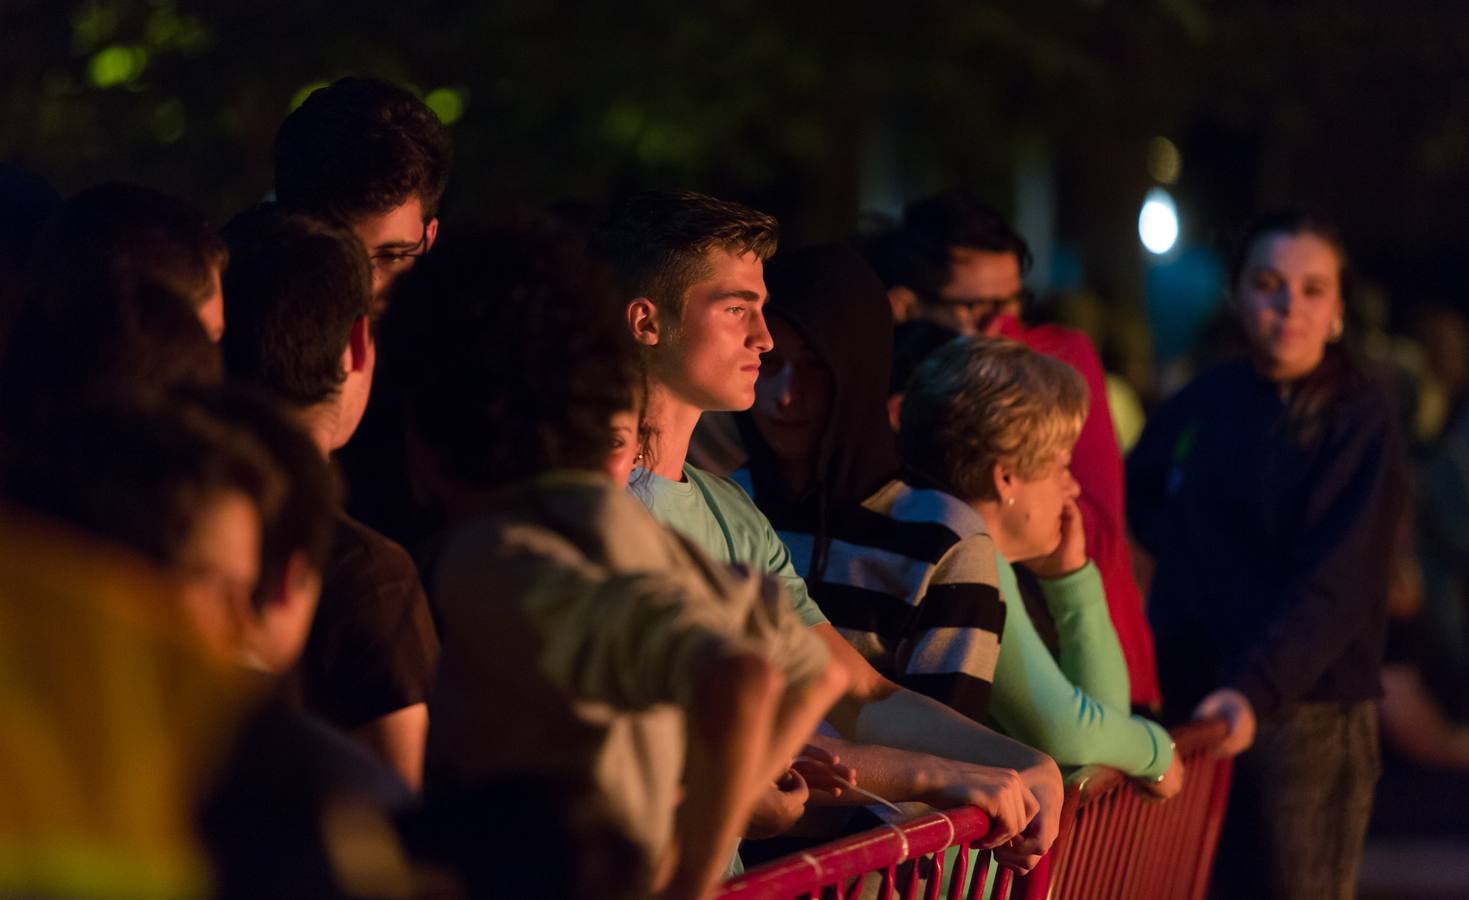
(109, 723)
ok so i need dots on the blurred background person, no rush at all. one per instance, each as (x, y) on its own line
(1269, 494)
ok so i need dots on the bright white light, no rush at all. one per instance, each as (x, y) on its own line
(1157, 224)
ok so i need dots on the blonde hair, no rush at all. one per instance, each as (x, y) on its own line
(979, 401)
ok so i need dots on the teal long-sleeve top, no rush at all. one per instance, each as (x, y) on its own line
(1077, 709)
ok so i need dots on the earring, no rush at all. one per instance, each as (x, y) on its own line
(1010, 501)
(1337, 327)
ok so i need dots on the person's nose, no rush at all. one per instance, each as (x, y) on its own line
(1285, 300)
(759, 338)
(1073, 487)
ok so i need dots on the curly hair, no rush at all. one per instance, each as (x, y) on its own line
(978, 401)
(507, 350)
(358, 148)
(657, 242)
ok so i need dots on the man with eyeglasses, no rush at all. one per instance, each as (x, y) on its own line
(975, 265)
(373, 157)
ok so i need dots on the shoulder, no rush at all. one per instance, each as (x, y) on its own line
(970, 560)
(565, 518)
(1222, 379)
(720, 489)
(358, 550)
(729, 501)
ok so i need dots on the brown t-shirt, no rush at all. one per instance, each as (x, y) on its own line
(372, 649)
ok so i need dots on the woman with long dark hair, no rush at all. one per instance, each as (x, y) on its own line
(1268, 491)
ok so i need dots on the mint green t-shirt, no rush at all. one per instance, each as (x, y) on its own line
(724, 522)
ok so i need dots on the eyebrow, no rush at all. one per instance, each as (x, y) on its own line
(397, 245)
(751, 296)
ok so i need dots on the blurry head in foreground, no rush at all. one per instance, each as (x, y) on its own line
(125, 238)
(507, 347)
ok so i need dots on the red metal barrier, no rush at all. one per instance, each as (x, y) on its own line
(1114, 844)
(900, 858)
(1120, 845)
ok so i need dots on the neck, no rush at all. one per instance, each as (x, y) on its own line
(320, 424)
(1283, 374)
(994, 522)
(672, 420)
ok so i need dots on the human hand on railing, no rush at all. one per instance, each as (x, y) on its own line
(1167, 787)
(1070, 554)
(1235, 709)
(1000, 793)
(779, 806)
(1044, 780)
(1024, 851)
(824, 772)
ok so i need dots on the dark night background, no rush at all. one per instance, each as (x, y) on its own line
(815, 112)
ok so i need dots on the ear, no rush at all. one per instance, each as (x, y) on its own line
(1004, 479)
(642, 320)
(430, 233)
(895, 411)
(904, 303)
(359, 346)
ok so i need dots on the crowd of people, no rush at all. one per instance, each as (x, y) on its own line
(597, 554)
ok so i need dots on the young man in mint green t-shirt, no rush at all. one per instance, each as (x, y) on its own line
(692, 268)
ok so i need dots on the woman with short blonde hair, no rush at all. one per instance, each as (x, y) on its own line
(976, 403)
(986, 436)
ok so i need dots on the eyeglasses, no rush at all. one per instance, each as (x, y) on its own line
(984, 307)
(396, 258)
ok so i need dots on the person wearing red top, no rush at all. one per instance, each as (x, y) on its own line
(983, 293)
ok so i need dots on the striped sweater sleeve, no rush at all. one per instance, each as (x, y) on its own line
(952, 643)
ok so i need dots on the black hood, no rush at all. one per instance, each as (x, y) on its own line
(833, 298)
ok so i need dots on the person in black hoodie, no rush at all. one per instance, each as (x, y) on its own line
(823, 457)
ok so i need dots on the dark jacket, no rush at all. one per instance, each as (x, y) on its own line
(1272, 549)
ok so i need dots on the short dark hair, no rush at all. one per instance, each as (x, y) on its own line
(360, 147)
(136, 473)
(510, 353)
(305, 518)
(657, 242)
(295, 286)
(956, 218)
(904, 258)
(119, 237)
